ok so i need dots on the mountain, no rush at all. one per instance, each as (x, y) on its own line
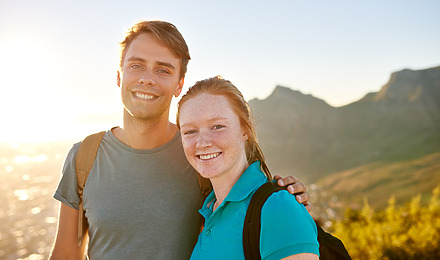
(303, 135)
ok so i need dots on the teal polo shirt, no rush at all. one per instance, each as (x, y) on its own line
(286, 226)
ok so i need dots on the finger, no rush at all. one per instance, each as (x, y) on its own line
(303, 198)
(288, 180)
(276, 177)
(296, 188)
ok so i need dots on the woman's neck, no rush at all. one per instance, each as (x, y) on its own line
(223, 184)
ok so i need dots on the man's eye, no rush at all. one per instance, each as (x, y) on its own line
(164, 71)
(135, 66)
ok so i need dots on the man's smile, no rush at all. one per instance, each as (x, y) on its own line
(144, 96)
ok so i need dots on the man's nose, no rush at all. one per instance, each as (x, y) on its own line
(147, 78)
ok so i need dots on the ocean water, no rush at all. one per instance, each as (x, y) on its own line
(29, 174)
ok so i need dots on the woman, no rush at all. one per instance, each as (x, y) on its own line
(219, 140)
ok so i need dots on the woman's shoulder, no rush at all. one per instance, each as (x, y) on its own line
(283, 200)
(282, 207)
(286, 227)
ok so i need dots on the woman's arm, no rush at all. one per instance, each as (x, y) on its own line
(66, 242)
(304, 256)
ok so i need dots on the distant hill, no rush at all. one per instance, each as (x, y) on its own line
(304, 135)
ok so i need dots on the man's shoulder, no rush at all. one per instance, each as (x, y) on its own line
(73, 151)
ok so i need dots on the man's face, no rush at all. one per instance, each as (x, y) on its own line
(149, 78)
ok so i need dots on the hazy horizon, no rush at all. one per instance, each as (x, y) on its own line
(90, 123)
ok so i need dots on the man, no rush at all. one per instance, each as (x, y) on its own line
(142, 196)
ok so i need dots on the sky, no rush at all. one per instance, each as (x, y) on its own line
(58, 59)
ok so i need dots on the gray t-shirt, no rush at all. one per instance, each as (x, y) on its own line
(140, 204)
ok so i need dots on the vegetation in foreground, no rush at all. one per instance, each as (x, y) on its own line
(411, 231)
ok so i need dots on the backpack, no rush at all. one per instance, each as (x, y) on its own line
(85, 159)
(330, 247)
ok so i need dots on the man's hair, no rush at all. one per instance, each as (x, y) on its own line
(222, 87)
(166, 33)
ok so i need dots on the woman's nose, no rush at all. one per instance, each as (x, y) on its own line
(203, 141)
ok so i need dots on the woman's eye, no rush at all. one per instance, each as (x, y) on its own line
(189, 132)
(216, 127)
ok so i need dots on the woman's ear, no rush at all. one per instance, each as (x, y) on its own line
(245, 137)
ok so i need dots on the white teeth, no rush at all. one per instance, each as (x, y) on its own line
(144, 96)
(209, 156)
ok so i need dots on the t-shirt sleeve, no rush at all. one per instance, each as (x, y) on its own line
(67, 187)
(286, 228)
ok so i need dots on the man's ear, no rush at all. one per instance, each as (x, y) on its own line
(118, 79)
(179, 88)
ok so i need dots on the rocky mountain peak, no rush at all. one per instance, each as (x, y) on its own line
(412, 86)
(304, 133)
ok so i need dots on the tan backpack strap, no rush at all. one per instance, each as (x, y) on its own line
(205, 185)
(85, 159)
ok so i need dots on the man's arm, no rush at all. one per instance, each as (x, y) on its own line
(66, 242)
(295, 187)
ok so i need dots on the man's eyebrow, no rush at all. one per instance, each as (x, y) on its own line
(160, 63)
(166, 64)
(134, 58)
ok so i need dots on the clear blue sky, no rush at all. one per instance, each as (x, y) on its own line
(58, 59)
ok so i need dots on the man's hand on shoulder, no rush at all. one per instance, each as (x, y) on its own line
(295, 187)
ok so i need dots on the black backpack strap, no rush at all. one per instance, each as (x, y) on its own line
(252, 221)
(330, 247)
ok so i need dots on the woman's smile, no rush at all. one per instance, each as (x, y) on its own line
(208, 156)
(212, 136)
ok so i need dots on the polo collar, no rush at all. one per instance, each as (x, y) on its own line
(251, 179)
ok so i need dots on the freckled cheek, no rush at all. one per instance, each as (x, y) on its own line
(227, 139)
(221, 137)
(188, 146)
(235, 145)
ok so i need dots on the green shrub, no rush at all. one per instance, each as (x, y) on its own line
(407, 232)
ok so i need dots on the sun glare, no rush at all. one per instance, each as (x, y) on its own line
(23, 68)
(25, 101)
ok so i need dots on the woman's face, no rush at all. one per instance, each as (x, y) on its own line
(212, 137)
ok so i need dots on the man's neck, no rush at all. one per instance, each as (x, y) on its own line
(145, 134)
